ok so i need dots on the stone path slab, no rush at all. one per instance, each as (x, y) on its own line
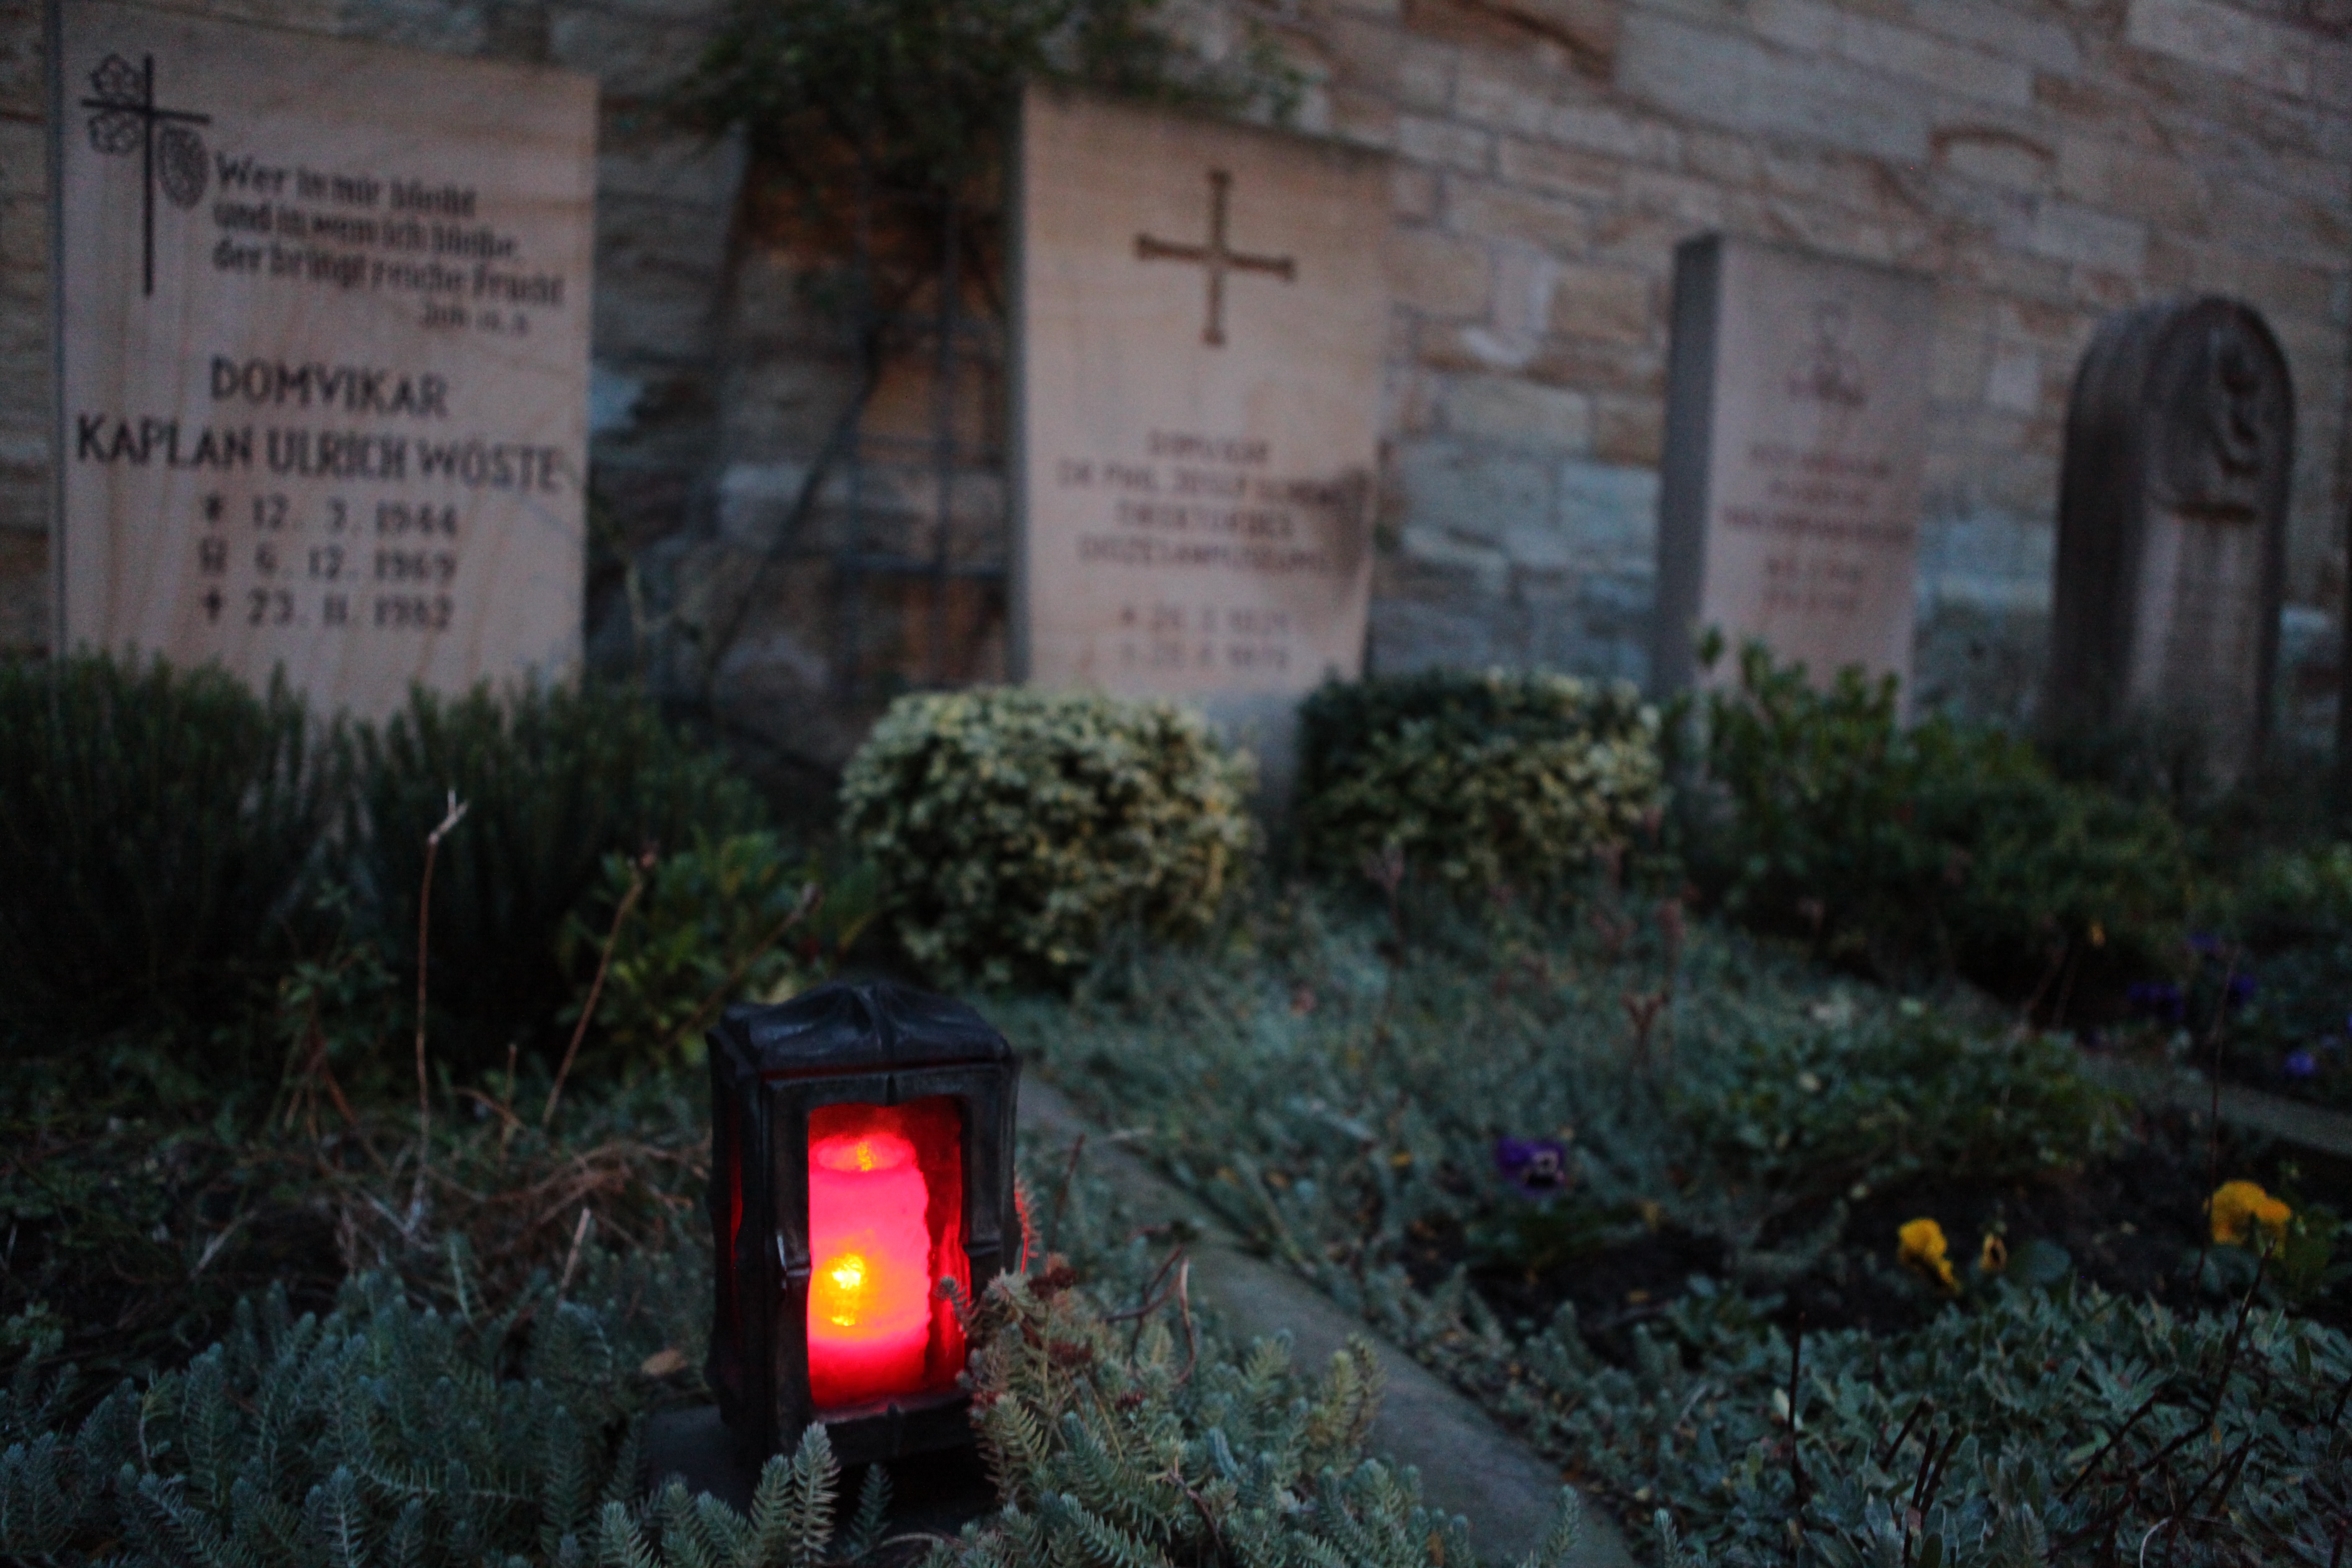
(2312, 1127)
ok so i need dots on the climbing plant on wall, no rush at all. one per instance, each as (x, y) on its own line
(879, 130)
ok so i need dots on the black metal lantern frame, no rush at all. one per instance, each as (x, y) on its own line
(825, 1055)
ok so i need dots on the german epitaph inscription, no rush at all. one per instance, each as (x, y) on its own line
(323, 326)
(1795, 429)
(1203, 308)
(2172, 528)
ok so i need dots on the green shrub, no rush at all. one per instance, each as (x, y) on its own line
(722, 921)
(157, 831)
(1014, 830)
(1803, 1111)
(1934, 847)
(1480, 781)
(554, 782)
(2291, 897)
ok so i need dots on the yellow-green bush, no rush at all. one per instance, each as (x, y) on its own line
(1480, 781)
(1013, 829)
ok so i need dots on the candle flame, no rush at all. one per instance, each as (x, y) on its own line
(849, 1276)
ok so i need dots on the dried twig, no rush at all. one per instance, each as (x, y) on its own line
(1801, 1488)
(572, 1258)
(638, 870)
(455, 815)
(1923, 1407)
(1062, 1192)
(811, 897)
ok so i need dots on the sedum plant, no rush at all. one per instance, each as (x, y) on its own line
(1013, 831)
(1110, 1448)
(2044, 1427)
(1480, 781)
(384, 1433)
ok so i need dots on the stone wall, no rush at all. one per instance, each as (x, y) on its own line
(2045, 161)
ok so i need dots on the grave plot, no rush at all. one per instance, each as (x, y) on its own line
(1620, 1167)
(1610, 1179)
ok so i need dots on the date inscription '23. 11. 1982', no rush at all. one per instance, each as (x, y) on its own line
(323, 327)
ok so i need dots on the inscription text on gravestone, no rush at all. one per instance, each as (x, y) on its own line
(1795, 447)
(1199, 417)
(323, 325)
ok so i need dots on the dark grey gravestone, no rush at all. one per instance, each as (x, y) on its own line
(1796, 442)
(2172, 531)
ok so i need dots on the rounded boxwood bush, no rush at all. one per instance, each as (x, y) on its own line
(1486, 780)
(1015, 829)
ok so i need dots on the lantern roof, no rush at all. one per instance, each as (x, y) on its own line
(858, 1028)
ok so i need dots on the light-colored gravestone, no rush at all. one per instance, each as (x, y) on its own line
(2172, 529)
(1796, 424)
(1202, 312)
(322, 316)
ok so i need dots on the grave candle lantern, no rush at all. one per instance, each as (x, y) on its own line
(861, 1174)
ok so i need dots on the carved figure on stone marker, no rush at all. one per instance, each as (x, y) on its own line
(2172, 529)
(1833, 373)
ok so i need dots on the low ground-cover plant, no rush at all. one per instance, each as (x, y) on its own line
(158, 830)
(1910, 850)
(1014, 831)
(135, 1219)
(1363, 1119)
(1477, 781)
(2264, 982)
(2063, 1425)
(1353, 1112)
(440, 1418)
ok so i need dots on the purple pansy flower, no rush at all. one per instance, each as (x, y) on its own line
(2242, 989)
(2300, 1064)
(1535, 1166)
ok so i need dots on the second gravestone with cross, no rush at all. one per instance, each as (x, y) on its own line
(322, 336)
(1796, 427)
(1202, 310)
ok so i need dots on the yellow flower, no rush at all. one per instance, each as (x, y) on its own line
(1922, 1247)
(1993, 1256)
(2238, 1205)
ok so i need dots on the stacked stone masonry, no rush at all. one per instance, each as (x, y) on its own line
(2044, 161)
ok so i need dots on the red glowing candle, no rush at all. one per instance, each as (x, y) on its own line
(869, 1313)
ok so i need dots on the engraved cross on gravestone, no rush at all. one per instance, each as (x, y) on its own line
(124, 120)
(1215, 257)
